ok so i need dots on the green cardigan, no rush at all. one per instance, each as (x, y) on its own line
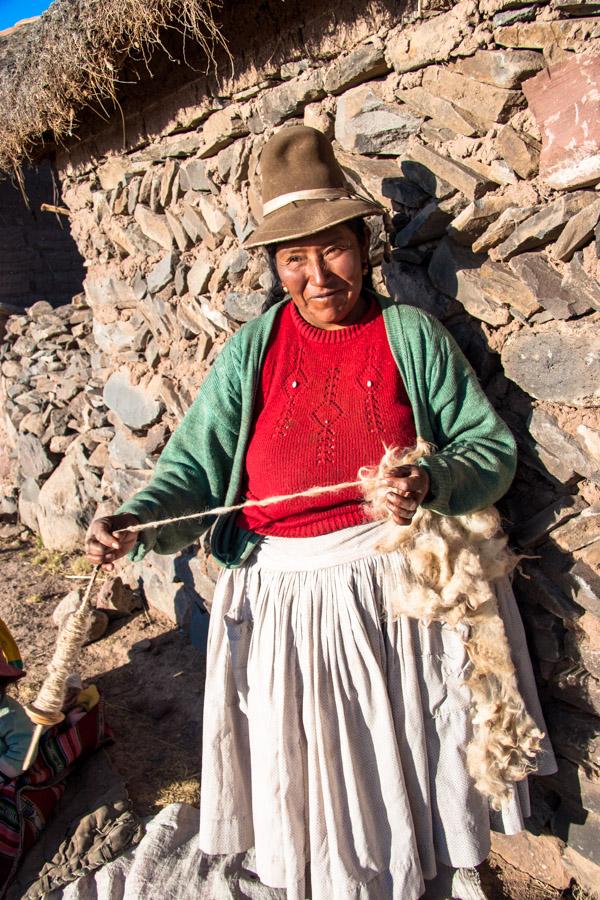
(203, 464)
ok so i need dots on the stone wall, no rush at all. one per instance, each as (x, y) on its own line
(38, 257)
(477, 126)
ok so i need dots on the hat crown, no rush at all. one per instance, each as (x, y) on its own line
(299, 158)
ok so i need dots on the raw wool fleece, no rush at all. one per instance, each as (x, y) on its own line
(449, 566)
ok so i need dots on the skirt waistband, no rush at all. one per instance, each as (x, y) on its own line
(307, 554)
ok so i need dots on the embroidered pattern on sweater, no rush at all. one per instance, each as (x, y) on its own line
(293, 383)
(369, 381)
(326, 415)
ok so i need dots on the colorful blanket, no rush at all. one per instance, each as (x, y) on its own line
(27, 802)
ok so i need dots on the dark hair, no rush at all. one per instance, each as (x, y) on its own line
(4, 683)
(363, 233)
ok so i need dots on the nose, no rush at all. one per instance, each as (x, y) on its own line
(318, 272)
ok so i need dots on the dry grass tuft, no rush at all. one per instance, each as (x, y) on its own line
(185, 790)
(71, 59)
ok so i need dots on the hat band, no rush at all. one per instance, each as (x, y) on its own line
(315, 194)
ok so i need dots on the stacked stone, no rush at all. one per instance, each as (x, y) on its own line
(469, 125)
(55, 420)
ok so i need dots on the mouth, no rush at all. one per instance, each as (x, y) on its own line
(323, 298)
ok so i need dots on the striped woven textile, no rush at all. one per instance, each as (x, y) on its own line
(27, 802)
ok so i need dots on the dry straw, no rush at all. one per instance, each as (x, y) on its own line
(71, 58)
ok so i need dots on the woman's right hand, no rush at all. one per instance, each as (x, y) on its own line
(103, 546)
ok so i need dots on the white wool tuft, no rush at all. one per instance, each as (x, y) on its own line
(449, 566)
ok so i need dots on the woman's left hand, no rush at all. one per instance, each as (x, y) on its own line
(409, 485)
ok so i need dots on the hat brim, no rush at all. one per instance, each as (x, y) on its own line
(305, 217)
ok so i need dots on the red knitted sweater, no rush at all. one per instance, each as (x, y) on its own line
(327, 403)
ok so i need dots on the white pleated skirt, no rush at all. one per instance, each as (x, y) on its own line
(334, 738)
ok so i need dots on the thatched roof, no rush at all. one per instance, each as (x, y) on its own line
(71, 56)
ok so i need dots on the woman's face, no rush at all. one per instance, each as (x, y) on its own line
(323, 275)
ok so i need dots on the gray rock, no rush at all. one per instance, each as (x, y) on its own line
(127, 453)
(443, 113)
(288, 99)
(403, 192)
(521, 153)
(108, 291)
(166, 182)
(535, 529)
(162, 273)
(242, 307)
(139, 286)
(29, 493)
(362, 64)
(115, 337)
(545, 226)
(577, 232)
(578, 283)
(545, 283)
(583, 578)
(502, 68)
(409, 284)
(476, 218)
(199, 276)
(503, 227)
(455, 271)
(66, 503)
(535, 587)
(136, 405)
(429, 223)
(574, 735)
(564, 447)
(154, 226)
(578, 532)
(193, 177)
(293, 69)
(366, 124)
(179, 233)
(180, 280)
(33, 459)
(429, 40)
(562, 366)
(118, 597)
(512, 16)
(471, 183)
(572, 783)
(220, 129)
(217, 221)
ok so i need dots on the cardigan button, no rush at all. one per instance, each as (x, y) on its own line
(369, 383)
(294, 384)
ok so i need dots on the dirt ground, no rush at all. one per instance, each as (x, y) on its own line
(152, 682)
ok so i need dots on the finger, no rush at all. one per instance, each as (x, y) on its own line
(103, 536)
(400, 520)
(398, 502)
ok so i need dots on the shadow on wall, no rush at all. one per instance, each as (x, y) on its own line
(39, 259)
(550, 583)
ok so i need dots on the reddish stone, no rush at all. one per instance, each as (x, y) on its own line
(565, 100)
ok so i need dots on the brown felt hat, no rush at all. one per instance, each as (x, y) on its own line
(304, 189)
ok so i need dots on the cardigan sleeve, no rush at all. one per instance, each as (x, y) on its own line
(194, 469)
(475, 460)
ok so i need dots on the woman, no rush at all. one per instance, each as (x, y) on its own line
(333, 737)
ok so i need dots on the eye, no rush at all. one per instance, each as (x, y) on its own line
(335, 249)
